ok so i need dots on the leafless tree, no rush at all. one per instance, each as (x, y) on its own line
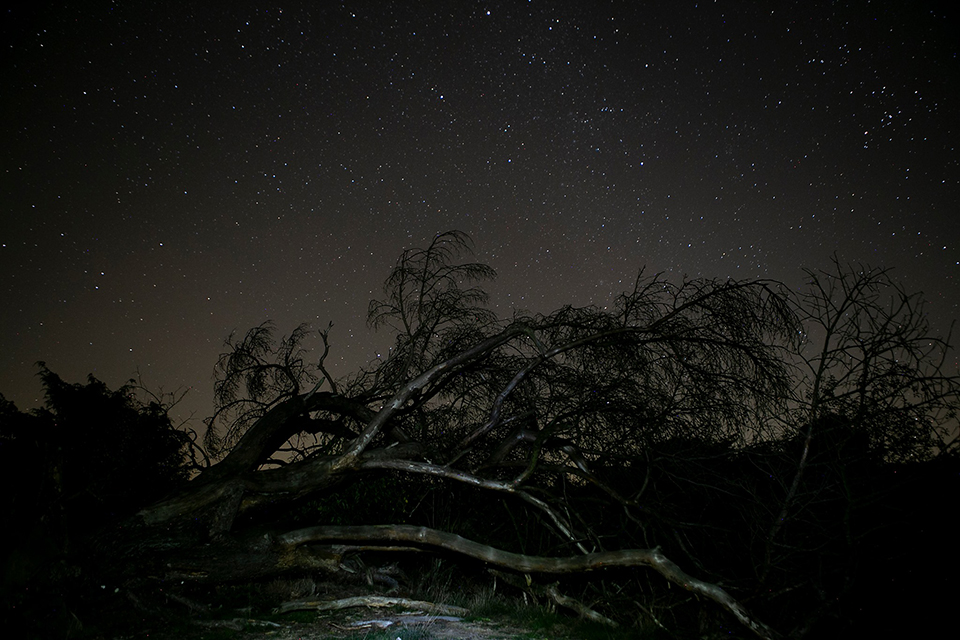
(581, 419)
(873, 386)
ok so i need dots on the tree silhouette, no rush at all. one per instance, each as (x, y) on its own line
(72, 471)
(733, 437)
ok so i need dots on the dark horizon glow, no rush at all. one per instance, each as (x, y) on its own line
(175, 172)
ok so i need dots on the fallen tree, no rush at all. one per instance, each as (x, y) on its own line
(685, 426)
(507, 408)
(652, 558)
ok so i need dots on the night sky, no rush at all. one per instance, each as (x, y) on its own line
(172, 172)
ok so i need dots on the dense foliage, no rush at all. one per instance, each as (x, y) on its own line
(72, 470)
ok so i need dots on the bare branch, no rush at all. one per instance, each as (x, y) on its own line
(652, 558)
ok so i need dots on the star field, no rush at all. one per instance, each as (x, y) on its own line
(173, 172)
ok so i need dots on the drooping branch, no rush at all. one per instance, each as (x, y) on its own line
(652, 558)
(399, 399)
(483, 483)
